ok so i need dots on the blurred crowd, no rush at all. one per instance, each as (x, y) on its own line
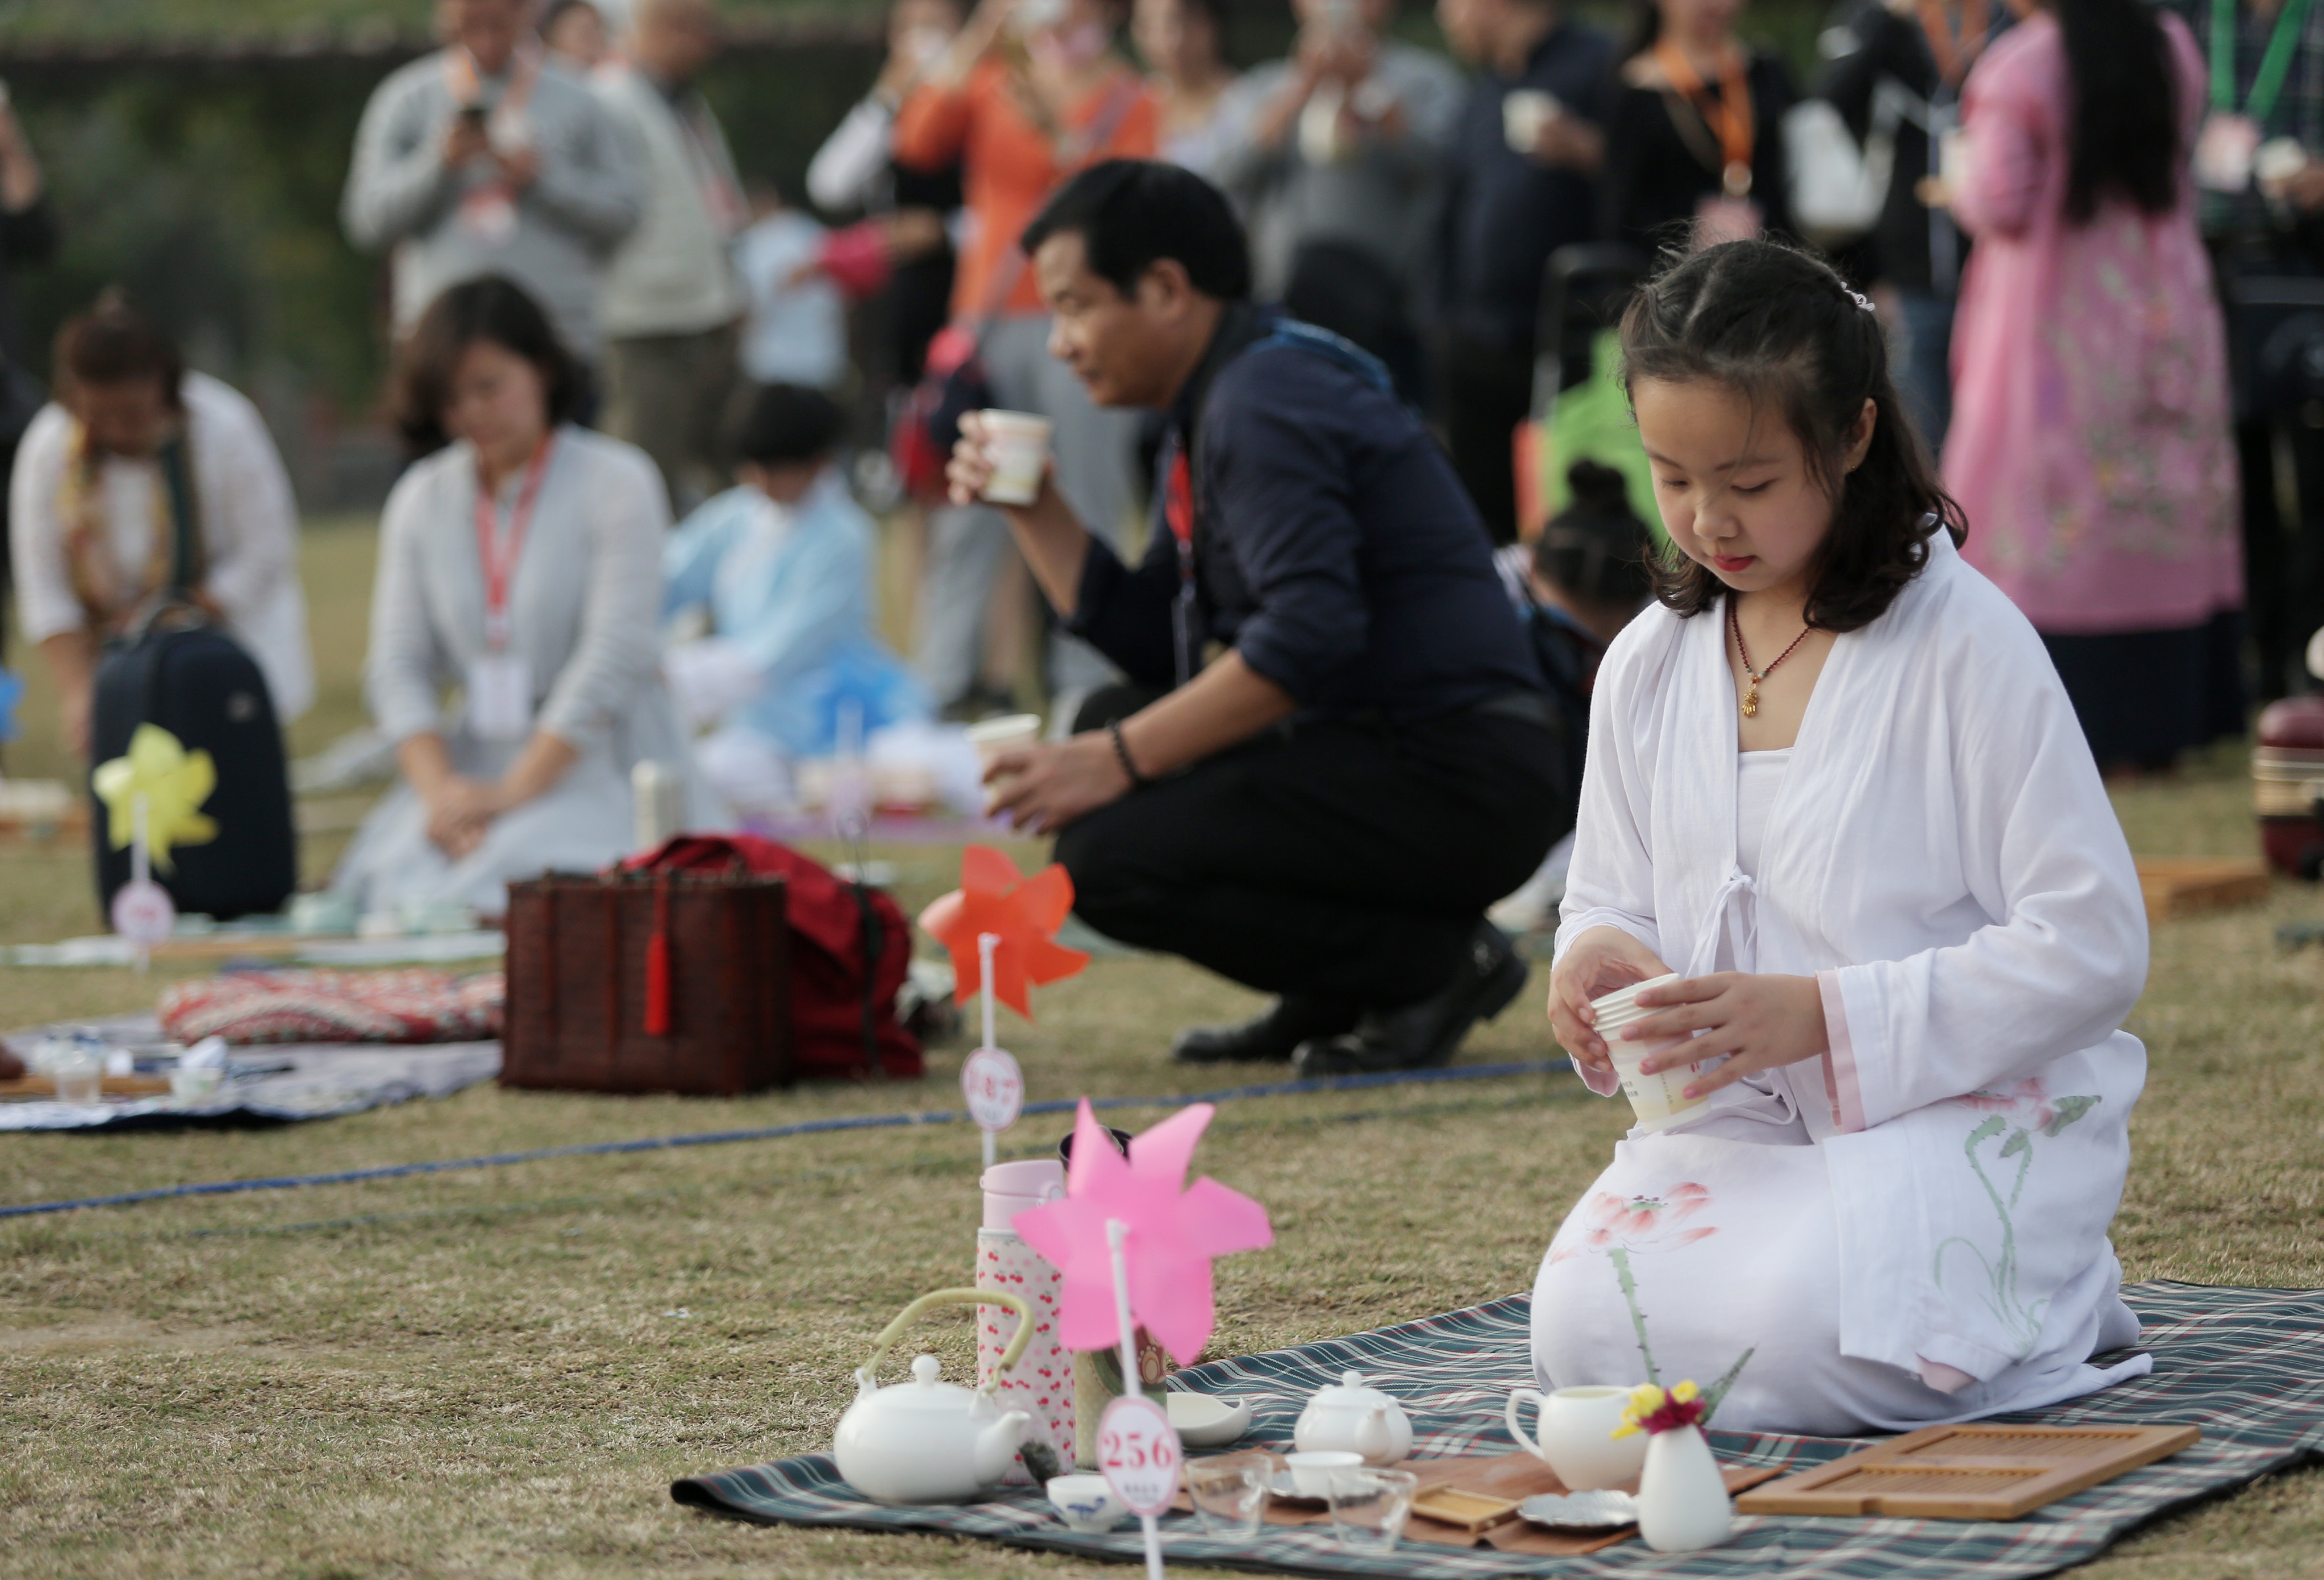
(702, 392)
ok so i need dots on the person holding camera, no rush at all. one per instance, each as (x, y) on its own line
(1334, 751)
(485, 158)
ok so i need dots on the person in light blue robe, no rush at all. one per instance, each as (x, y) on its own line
(782, 565)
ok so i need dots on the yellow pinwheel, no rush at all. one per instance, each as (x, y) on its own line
(174, 783)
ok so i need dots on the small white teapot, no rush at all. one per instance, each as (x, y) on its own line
(926, 1441)
(1356, 1419)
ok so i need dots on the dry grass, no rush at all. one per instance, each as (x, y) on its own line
(498, 1373)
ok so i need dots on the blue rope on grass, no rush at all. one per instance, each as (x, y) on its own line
(1481, 1072)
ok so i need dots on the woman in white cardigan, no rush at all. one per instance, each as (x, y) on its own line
(521, 563)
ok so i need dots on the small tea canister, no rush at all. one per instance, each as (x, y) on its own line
(2287, 776)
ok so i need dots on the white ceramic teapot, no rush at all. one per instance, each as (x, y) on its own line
(926, 1441)
(1356, 1419)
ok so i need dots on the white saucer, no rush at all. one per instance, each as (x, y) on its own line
(1581, 1510)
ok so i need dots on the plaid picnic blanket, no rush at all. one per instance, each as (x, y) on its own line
(2246, 1365)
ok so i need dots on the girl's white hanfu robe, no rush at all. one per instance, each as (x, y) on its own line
(1913, 1228)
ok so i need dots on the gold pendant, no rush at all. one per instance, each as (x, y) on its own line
(1751, 701)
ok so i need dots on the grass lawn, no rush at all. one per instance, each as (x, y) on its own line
(499, 1372)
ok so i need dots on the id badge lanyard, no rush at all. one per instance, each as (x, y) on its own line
(2274, 64)
(499, 556)
(1728, 115)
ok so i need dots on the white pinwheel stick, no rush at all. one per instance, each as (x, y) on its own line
(1116, 1233)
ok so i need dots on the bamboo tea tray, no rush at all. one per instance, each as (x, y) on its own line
(41, 1088)
(1473, 1512)
(1969, 1473)
(2186, 886)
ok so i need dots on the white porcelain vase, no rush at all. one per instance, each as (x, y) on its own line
(1683, 1502)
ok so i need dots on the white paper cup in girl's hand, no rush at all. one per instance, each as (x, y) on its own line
(1659, 1099)
(1017, 444)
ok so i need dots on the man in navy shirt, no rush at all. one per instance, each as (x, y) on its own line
(1334, 752)
(1519, 185)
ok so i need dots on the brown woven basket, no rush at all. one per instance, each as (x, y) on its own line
(648, 982)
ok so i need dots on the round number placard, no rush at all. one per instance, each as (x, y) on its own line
(994, 1087)
(144, 912)
(1139, 1454)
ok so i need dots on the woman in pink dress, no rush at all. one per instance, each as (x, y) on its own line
(2089, 446)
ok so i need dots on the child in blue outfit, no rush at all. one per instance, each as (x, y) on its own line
(782, 565)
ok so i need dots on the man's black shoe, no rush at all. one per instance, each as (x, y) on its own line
(1431, 1031)
(1269, 1038)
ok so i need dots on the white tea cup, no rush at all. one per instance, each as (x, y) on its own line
(1017, 444)
(1085, 1503)
(1574, 1435)
(1310, 1471)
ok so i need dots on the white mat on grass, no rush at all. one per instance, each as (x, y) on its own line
(284, 1082)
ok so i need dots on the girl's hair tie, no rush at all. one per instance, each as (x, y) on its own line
(1860, 299)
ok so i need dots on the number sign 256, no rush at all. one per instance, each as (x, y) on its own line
(1138, 1453)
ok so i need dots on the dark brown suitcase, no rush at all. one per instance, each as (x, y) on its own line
(590, 1009)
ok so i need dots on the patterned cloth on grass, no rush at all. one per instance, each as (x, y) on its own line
(249, 1007)
(2246, 1365)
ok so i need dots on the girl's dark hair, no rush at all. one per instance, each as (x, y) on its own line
(2125, 134)
(1596, 550)
(1780, 328)
(112, 342)
(491, 307)
(778, 424)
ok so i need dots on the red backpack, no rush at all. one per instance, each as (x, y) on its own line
(851, 948)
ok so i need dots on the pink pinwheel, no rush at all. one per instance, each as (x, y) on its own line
(1174, 1230)
(1024, 913)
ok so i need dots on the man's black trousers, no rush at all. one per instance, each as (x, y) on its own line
(1344, 860)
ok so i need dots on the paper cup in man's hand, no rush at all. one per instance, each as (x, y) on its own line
(994, 737)
(1017, 444)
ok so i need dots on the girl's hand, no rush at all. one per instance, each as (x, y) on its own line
(1758, 1022)
(1601, 960)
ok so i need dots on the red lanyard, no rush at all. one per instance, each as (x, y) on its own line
(500, 559)
(1178, 511)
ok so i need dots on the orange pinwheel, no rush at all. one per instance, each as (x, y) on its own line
(1024, 913)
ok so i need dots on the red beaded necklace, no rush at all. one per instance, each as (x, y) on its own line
(1751, 693)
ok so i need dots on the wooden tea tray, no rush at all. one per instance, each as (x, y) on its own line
(1474, 1513)
(2185, 886)
(1969, 1473)
(1505, 1478)
(39, 1088)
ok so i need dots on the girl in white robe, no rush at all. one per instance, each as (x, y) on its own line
(1884, 864)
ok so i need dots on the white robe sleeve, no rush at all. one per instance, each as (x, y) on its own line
(46, 604)
(2064, 957)
(1611, 881)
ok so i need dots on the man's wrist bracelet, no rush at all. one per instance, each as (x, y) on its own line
(1121, 755)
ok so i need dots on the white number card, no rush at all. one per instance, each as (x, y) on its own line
(994, 1087)
(500, 697)
(1139, 1454)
